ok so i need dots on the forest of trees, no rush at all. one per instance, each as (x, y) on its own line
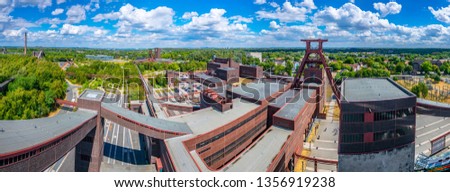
(36, 85)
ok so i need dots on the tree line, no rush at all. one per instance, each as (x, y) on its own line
(36, 85)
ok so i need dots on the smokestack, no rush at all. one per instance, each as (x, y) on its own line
(25, 48)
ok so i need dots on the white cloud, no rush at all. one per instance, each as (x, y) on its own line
(189, 15)
(274, 25)
(57, 11)
(352, 1)
(93, 5)
(259, 2)
(274, 5)
(213, 25)
(288, 35)
(60, 1)
(4, 3)
(68, 29)
(240, 19)
(14, 33)
(388, 8)
(76, 14)
(130, 18)
(41, 4)
(351, 18)
(442, 14)
(287, 13)
(307, 3)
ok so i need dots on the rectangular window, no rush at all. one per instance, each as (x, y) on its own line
(353, 138)
(385, 135)
(359, 117)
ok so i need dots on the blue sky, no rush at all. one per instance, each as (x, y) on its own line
(224, 23)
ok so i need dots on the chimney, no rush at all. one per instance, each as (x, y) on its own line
(25, 48)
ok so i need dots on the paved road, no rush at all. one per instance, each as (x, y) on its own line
(67, 162)
(427, 128)
(123, 149)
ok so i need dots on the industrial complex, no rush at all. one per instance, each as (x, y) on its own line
(239, 120)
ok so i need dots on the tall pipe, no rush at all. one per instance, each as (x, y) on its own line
(25, 48)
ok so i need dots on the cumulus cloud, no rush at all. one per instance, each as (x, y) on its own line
(307, 3)
(289, 35)
(60, 1)
(213, 25)
(76, 14)
(259, 2)
(68, 29)
(132, 18)
(286, 13)
(274, 4)
(388, 8)
(240, 19)
(442, 14)
(351, 18)
(274, 25)
(41, 4)
(57, 11)
(14, 33)
(93, 5)
(189, 15)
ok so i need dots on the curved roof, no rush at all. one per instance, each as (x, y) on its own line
(20, 134)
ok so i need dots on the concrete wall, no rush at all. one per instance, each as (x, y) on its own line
(396, 160)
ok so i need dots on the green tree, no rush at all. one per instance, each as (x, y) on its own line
(426, 67)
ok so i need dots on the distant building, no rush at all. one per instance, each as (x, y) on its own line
(280, 61)
(438, 62)
(39, 54)
(416, 65)
(4, 51)
(251, 71)
(257, 55)
(217, 63)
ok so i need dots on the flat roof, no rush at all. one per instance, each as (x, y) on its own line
(259, 89)
(227, 69)
(208, 119)
(209, 78)
(180, 156)
(156, 123)
(259, 156)
(20, 134)
(372, 89)
(89, 94)
(284, 98)
(291, 109)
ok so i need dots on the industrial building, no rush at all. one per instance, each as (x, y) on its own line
(259, 125)
(377, 126)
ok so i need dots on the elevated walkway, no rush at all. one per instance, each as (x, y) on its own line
(150, 126)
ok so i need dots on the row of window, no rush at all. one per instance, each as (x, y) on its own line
(379, 116)
(353, 138)
(223, 134)
(356, 117)
(391, 134)
(378, 136)
(11, 160)
(389, 115)
(232, 146)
